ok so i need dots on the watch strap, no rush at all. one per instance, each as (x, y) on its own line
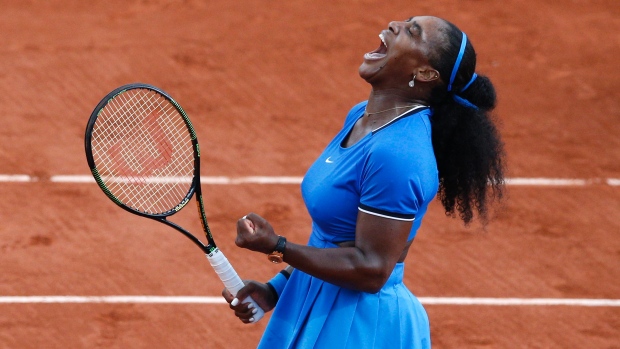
(281, 245)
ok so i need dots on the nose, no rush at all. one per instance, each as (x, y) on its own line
(396, 27)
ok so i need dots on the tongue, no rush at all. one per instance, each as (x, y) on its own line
(375, 55)
(380, 52)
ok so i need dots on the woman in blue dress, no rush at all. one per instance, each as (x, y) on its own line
(425, 129)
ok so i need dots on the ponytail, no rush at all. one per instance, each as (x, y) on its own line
(467, 144)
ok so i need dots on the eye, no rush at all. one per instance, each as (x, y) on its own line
(408, 20)
(415, 29)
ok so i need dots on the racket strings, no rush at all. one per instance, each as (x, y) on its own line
(135, 139)
(143, 151)
(172, 174)
(140, 139)
(172, 171)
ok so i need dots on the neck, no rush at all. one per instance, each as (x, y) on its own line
(390, 103)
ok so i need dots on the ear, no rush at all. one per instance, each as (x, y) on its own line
(426, 74)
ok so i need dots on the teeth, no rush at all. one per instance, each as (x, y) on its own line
(382, 39)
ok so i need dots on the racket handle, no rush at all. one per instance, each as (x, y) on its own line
(231, 279)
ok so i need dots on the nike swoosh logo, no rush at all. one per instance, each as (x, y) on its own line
(329, 161)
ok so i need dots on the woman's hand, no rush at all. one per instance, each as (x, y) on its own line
(260, 293)
(256, 234)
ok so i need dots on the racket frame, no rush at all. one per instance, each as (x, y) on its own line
(216, 258)
(194, 188)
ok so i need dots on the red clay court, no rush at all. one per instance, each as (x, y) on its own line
(267, 84)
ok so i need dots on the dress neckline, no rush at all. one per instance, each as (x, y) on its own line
(374, 131)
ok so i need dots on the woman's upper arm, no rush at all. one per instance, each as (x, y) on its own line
(382, 241)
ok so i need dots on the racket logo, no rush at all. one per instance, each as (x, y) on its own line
(181, 205)
(154, 153)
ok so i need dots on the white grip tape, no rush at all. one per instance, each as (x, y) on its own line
(231, 279)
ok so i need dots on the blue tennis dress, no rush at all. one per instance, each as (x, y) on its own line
(392, 173)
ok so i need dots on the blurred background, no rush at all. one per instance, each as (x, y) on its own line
(267, 85)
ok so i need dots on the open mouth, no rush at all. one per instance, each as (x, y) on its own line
(380, 52)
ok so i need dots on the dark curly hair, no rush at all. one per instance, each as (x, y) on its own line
(467, 144)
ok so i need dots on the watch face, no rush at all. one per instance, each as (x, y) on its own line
(275, 257)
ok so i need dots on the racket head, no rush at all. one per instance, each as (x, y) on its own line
(143, 151)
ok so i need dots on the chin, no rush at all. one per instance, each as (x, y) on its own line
(367, 72)
(360, 71)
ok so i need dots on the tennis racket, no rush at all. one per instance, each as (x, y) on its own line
(143, 152)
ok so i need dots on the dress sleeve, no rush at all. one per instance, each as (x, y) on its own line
(392, 182)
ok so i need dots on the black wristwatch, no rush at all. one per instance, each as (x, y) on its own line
(278, 252)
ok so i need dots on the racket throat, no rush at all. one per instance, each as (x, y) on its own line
(211, 250)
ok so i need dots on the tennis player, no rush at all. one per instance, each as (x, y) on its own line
(425, 128)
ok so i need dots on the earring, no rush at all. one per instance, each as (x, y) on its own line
(412, 82)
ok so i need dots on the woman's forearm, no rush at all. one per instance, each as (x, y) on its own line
(347, 267)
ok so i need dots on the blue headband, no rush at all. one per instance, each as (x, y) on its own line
(462, 101)
(457, 64)
(473, 77)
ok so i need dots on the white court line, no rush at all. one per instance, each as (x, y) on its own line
(203, 179)
(546, 181)
(219, 300)
(223, 180)
(111, 299)
(521, 301)
(15, 178)
(72, 179)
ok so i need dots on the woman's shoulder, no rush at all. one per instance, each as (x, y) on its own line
(359, 107)
(414, 129)
(407, 141)
(356, 112)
